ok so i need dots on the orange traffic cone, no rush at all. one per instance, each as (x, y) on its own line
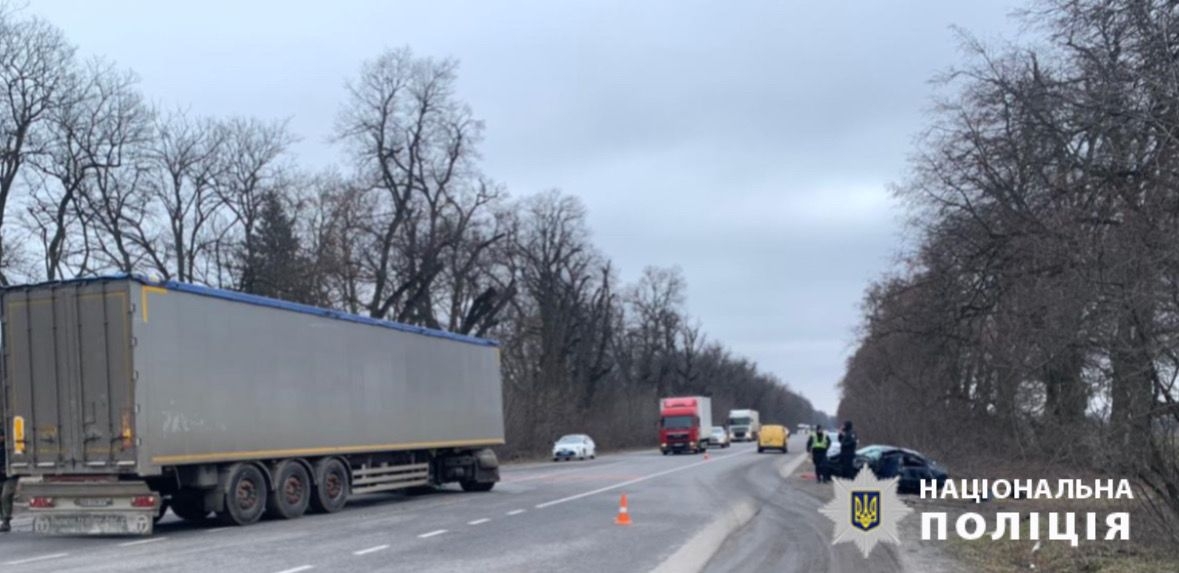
(623, 514)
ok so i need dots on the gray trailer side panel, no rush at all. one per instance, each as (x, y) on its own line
(220, 380)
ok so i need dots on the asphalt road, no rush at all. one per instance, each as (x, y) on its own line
(541, 517)
(789, 534)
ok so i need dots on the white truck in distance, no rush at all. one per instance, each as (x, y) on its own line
(744, 425)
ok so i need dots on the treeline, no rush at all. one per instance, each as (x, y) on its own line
(95, 180)
(1038, 314)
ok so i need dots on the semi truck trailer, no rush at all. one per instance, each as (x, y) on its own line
(744, 425)
(685, 424)
(127, 396)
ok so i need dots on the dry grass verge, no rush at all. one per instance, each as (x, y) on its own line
(1150, 548)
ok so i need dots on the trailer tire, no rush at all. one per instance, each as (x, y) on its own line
(245, 495)
(331, 486)
(291, 493)
(472, 485)
(189, 507)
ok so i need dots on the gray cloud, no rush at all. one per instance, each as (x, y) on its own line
(749, 143)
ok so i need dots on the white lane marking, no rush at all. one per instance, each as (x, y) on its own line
(787, 468)
(370, 550)
(478, 521)
(142, 541)
(432, 533)
(35, 559)
(638, 479)
(216, 529)
(516, 512)
(297, 569)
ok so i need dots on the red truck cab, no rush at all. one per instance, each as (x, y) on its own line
(684, 424)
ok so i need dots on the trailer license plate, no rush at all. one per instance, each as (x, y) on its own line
(98, 524)
(94, 502)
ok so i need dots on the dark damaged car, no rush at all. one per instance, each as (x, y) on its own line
(890, 461)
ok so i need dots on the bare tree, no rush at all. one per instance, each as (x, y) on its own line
(36, 63)
(478, 288)
(185, 164)
(415, 148)
(249, 169)
(1042, 289)
(657, 314)
(81, 200)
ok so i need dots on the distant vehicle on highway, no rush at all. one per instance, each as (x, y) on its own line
(685, 423)
(578, 446)
(804, 428)
(772, 437)
(890, 461)
(744, 425)
(719, 437)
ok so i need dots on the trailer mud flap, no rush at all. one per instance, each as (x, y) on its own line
(486, 459)
(486, 466)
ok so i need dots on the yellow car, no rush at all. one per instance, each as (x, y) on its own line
(772, 437)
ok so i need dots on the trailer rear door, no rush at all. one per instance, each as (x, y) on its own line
(68, 374)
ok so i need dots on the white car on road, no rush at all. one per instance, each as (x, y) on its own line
(719, 437)
(578, 446)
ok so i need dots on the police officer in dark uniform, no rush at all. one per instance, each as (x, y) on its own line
(848, 442)
(817, 444)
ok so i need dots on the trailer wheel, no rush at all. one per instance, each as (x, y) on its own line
(245, 495)
(331, 486)
(291, 493)
(472, 485)
(189, 507)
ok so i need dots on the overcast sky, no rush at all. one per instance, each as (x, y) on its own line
(749, 143)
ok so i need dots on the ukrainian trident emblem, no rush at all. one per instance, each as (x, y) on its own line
(865, 509)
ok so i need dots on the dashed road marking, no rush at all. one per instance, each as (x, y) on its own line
(478, 521)
(297, 569)
(637, 480)
(432, 533)
(142, 541)
(35, 559)
(516, 512)
(370, 550)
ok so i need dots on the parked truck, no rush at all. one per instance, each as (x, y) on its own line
(685, 424)
(744, 425)
(128, 396)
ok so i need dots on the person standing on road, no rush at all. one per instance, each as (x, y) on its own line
(7, 493)
(848, 441)
(817, 444)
